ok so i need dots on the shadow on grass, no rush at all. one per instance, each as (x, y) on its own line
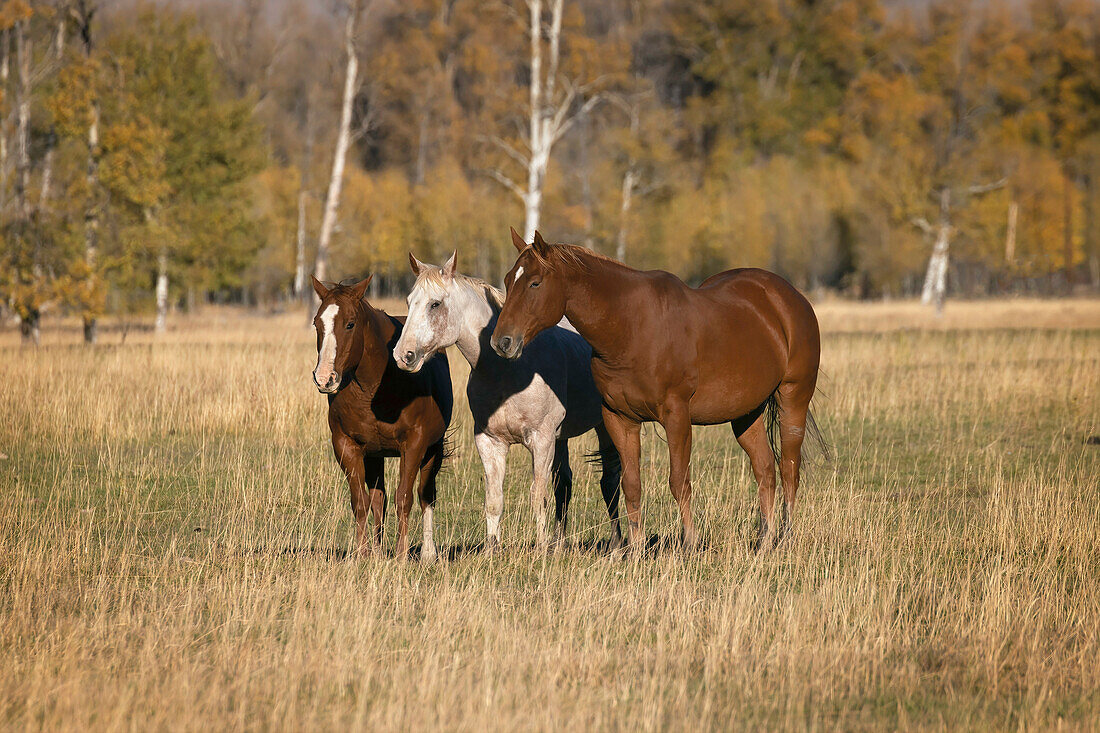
(657, 545)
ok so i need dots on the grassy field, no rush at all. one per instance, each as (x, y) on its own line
(173, 531)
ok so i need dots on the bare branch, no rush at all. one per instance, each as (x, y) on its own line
(506, 182)
(506, 147)
(922, 223)
(587, 107)
(987, 187)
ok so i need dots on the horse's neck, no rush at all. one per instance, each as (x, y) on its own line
(479, 315)
(379, 332)
(592, 292)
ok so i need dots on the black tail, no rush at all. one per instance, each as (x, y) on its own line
(610, 462)
(449, 450)
(813, 432)
(771, 422)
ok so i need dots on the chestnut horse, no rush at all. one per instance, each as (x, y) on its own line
(741, 348)
(376, 411)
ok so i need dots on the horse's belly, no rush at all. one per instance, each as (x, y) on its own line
(625, 392)
(374, 443)
(734, 389)
(515, 418)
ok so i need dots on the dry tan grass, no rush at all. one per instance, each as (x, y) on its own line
(172, 527)
(849, 316)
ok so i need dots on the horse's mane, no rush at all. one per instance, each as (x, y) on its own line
(433, 276)
(573, 254)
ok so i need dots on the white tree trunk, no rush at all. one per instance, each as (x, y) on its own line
(23, 54)
(5, 72)
(91, 225)
(339, 157)
(935, 279)
(84, 12)
(543, 130)
(30, 318)
(1010, 235)
(300, 246)
(161, 323)
(629, 181)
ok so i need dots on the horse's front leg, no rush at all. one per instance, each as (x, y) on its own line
(412, 457)
(677, 424)
(349, 454)
(542, 461)
(494, 457)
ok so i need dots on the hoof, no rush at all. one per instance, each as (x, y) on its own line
(428, 555)
(365, 552)
(764, 544)
(493, 547)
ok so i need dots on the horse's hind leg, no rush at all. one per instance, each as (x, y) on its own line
(563, 488)
(429, 469)
(411, 460)
(677, 424)
(752, 435)
(794, 405)
(376, 487)
(610, 473)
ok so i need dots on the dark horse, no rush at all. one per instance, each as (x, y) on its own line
(375, 411)
(741, 348)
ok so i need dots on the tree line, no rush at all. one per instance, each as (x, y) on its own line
(156, 156)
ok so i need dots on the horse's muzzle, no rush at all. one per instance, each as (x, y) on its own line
(410, 361)
(329, 385)
(507, 346)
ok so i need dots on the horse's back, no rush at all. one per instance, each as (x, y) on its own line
(752, 330)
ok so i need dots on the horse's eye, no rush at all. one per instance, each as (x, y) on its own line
(535, 284)
(351, 325)
(435, 305)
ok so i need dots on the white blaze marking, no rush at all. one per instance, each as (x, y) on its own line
(327, 355)
(518, 273)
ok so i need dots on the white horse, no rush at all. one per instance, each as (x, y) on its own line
(540, 400)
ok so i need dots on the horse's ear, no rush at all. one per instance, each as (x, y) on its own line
(517, 240)
(449, 266)
(319, 287)
(415, 264)
(542, 249)
(359, 289)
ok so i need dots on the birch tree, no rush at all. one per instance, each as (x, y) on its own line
(29, 298)
(83, 12)
(935, 278)
(554, 105)
(343, 140)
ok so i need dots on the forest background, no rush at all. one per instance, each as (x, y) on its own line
(158, 156)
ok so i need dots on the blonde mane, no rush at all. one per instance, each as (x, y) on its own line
(432, 277)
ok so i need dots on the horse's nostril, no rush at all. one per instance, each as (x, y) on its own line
(410, 357)
(505, 343)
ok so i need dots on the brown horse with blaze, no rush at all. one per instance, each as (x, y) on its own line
(376, 410)
(742, 348)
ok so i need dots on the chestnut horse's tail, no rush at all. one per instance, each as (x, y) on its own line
(813, 432)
